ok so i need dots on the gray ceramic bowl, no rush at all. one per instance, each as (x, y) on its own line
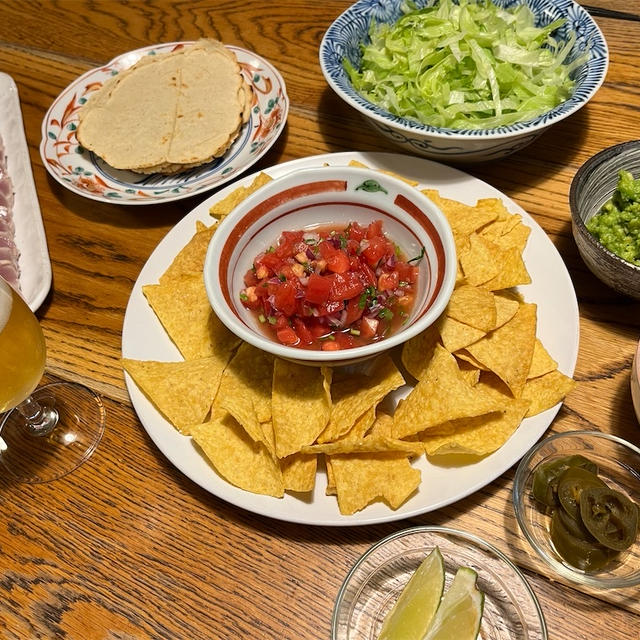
(593, 184)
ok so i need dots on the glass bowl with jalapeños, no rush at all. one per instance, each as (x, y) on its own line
(576, 497)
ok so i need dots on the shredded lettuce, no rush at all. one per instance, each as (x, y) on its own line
(465, 65)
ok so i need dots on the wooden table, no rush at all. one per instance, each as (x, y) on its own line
(128, 547)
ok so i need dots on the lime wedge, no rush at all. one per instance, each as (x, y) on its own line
(413, 611)
(459, 615)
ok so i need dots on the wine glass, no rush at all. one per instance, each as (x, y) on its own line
(48, 432)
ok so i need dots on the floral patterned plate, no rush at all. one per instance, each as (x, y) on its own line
(86, 174)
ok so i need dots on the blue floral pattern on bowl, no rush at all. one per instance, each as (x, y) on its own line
(342, 40)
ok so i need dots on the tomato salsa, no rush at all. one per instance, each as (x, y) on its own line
(331, 288)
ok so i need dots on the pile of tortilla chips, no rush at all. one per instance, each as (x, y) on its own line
(266, 425)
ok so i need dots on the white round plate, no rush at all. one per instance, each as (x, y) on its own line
(84, 173)
(551, 289)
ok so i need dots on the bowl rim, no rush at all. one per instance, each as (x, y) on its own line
(579, 179)
(450, 531)
(544, 120)
(572, 575)
(343, 356)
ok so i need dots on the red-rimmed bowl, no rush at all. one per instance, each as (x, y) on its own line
(321, 197)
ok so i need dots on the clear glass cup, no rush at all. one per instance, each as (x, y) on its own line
(49, 431)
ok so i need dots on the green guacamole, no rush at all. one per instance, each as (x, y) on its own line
(617, 224)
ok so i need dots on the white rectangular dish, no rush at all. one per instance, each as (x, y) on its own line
(35, 266)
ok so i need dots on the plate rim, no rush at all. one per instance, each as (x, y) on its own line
(238, 497)
(273, 70)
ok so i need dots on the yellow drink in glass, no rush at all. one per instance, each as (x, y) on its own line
(22, 349)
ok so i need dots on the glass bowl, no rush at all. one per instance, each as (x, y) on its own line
(618, 465)
(511, 609)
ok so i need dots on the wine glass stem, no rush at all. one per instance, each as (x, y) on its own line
(40, 420)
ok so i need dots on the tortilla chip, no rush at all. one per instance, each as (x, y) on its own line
(373, 443)
(181, 391)
(508, 351)
(353, 394)
(477, 436)
(513, 271)
(417, 351)
(237, 458)
(363, 479)
(457, 335)
(393, 174)
(300, 405)
(331, 480)
(506, 308)
(245, 389)
(541, 362)
(225, 206)
(482, 262)
(182, 306)
(546, 391)
(516, 237)
(299, 472)
(463, 218)
(361, 426)
(474, 306)
(442, 395)
(469, 372)
(190, 259)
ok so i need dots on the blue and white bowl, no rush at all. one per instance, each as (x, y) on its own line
(344, 36)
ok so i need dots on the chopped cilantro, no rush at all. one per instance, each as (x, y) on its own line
(418, 257)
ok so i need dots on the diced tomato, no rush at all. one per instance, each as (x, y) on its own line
(367, 276)
(344, 340)
(281, 321)
(368, 328)
(356, 232)
(338, 262)
(345, 286)
(269, 260)
(286, 271)
(374, 229)
(287, 243)
(285, 298)
(354, 311)
(318, 330)
(287, 335)
(302, 330)
(330, 307)
(330, 345)
(352, 248)
(250, 279)
(388, 281)
(407, 272)
(318, 289)
(375, 251)
(326, 249)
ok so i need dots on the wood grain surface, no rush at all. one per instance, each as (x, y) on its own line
(127, 547)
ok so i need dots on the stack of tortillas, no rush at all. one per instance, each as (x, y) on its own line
(169, 111)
